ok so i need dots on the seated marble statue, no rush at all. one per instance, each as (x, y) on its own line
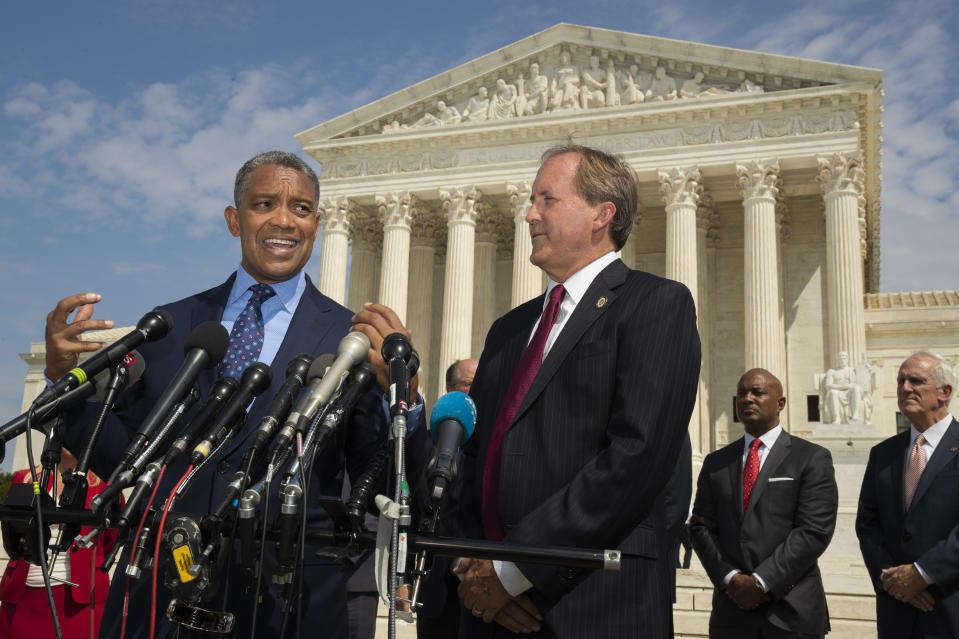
(503, 103)
(593, 90)
(535, 94)
(843, 396)
(662, 87)
(477, 107)
(693, 88)
(564, 91)
(632, 93)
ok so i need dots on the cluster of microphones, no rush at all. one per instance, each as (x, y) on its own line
(313, 403)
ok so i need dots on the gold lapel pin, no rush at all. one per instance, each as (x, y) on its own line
(601, 302)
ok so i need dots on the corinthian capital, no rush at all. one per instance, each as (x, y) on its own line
(759, 179)
(335, 214)
(429, 228)
(841, 172)
(681, 185)
(462, 204)
(365, 229)
(519, 198)
(395, 208)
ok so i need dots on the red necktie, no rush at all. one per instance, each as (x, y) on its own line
(522, 379)
(750, 471)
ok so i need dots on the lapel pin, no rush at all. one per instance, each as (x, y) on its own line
(601, 302)
(954, 449)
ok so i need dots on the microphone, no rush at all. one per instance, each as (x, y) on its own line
(92, 390)
(397, 351)
(222, 391)
(352, 349)
(256, 379)
(361, 380)
(204, 348)
(451, 424)
(315, 377)
(151, 327)
(296, 376)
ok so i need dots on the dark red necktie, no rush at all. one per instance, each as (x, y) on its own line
(750, 471)
(522, 379)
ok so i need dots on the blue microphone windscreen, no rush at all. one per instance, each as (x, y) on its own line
(457, 406)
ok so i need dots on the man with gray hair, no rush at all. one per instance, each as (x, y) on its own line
(908, 519)
(273, 312)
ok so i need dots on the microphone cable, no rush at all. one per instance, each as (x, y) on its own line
(156, 550)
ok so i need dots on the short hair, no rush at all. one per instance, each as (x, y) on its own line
(452, 374)
(943, 374)
(604, 177)
(280, 158)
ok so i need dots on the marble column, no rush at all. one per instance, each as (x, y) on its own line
(395, 212)
(367, 242)
(462, 208)
(702, 441)
(334, 252)
(527, 279)
(681, 189)
(765, 341)
(484, 278)
(841, 177)
(426, 226)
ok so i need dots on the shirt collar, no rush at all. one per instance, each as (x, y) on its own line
(577, 283)
(768, 438)
(285, 291)
(932, 434)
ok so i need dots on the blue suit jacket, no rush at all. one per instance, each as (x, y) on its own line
(928, 533)
(316, 328)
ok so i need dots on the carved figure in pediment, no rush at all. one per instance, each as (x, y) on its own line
(612, 95)
(477, 107)
(748, 86)
(694, 88)
(533, 98)
(444, 115)
(503, 103)
(393, 126)
(593, 90)
(632, 93)
(662, 87)
(564, 92)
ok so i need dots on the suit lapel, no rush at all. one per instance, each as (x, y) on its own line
(774, 458)
(209, 308)
(945, 452)
(898, 470)
(736, 479)
(586, 313)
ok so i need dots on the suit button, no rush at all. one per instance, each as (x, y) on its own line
(223, 467)
(906, 535)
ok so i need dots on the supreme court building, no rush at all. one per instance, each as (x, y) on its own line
(760, 190)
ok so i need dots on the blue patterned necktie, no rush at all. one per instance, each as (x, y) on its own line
(246, 338)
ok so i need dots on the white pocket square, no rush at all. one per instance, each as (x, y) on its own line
(772, 479)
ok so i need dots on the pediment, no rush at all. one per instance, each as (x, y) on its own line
(581, 70)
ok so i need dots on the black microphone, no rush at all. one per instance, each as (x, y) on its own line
(92, 390)
(361, 379)
(221, 392)
(204, 348)
(151, 327)
(397, 351)
(314, 378)
(352, 349)
(451, 424)
(296, 376)
(255, 379)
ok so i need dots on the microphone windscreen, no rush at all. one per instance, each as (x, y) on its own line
(211, 337)
(456, 406)
(320, 364)
(356, 344)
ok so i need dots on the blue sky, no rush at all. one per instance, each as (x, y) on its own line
(122, 124)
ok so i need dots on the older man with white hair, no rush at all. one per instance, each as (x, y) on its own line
(908, 520)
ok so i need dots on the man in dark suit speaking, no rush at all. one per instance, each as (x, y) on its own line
(583, 399)
(765, 511)
(276, 221)
(908, 520)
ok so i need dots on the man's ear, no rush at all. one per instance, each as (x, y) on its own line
(232, 217)
(604, 216)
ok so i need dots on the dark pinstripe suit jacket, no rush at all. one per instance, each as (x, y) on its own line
(786, 527)
(591, 447)
(927, 533)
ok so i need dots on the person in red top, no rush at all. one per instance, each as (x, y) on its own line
(25, 613)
